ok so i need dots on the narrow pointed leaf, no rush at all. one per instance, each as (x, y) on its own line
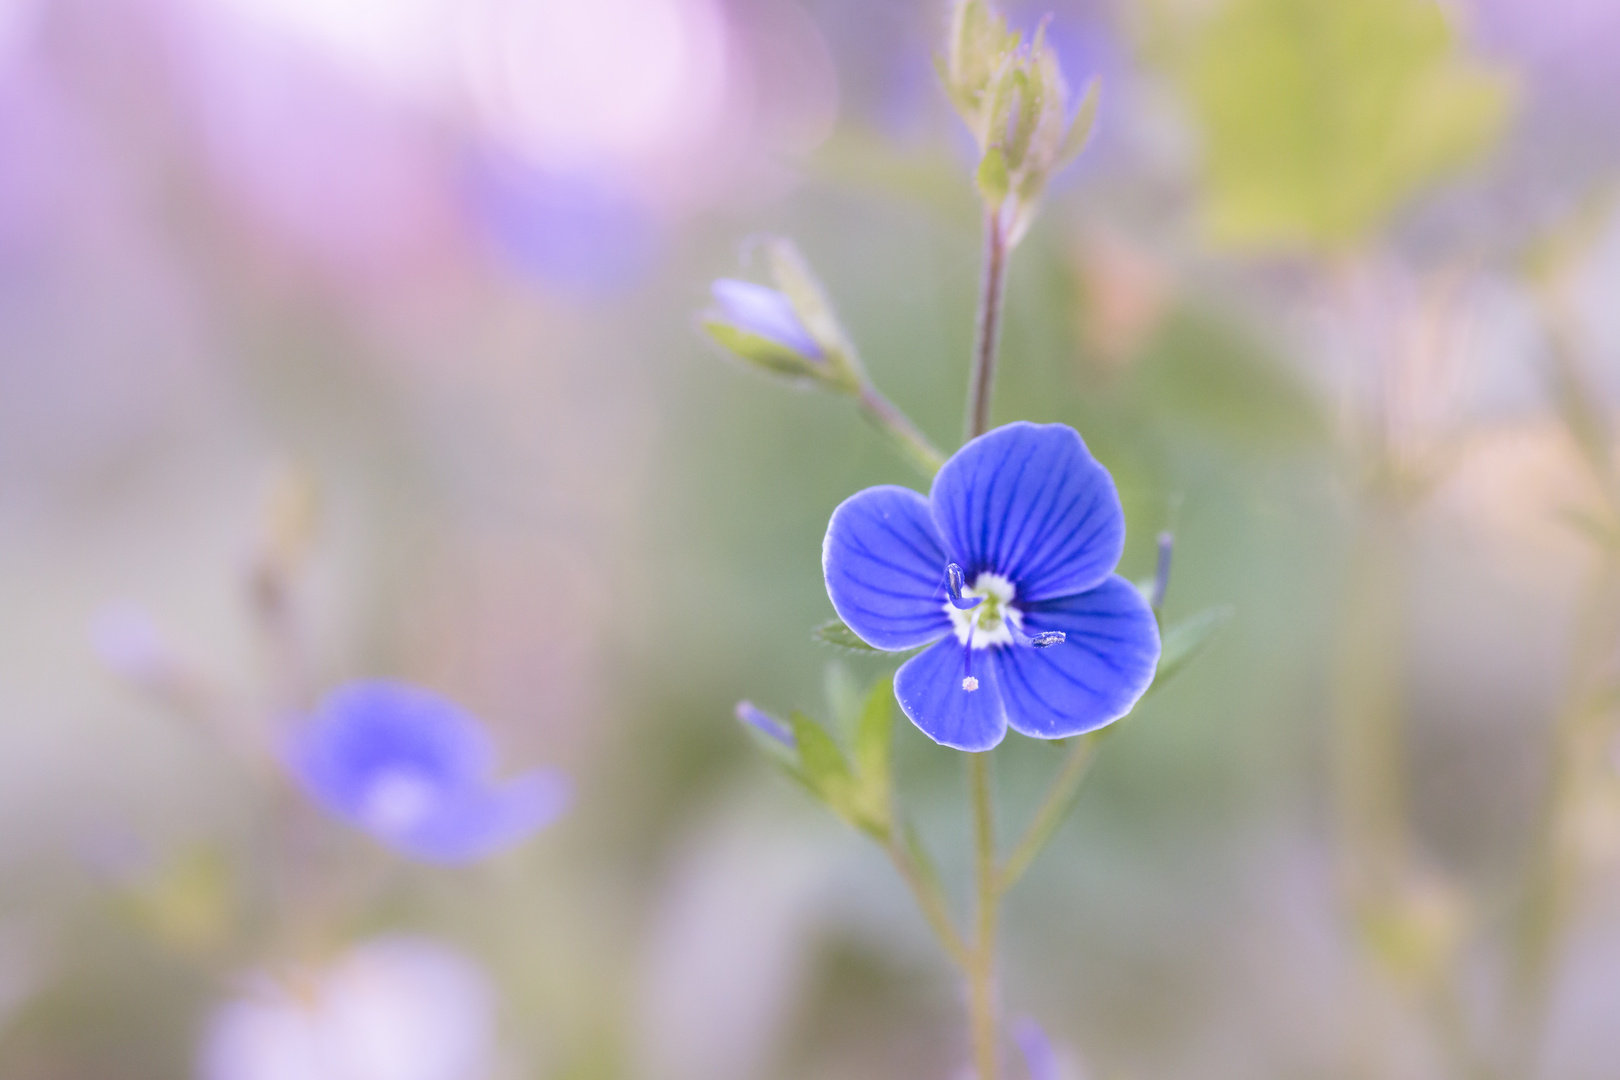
(874, 735)
(1185, 640)
(992, 177)
(1085, 120)
(822, 763)
(840, 636)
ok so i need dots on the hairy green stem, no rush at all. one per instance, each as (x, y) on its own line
(987, 338)
(910, 440)
(1052, 811)
(983, 1008)
(931, 899)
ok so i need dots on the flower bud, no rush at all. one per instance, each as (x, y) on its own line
(788, 330)
(1015, 101)
(978, 47)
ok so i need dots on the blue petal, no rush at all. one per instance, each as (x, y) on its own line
(481, 820)
(929, 688)
(764, 312)
(885, 568)
(1094, 676)
(363, 728)
(1040, 1060)
(1028, 501)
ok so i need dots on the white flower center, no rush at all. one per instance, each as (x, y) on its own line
(992, 622)
(398, 800)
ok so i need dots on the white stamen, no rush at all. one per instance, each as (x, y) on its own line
(998, 611)
(970, 684)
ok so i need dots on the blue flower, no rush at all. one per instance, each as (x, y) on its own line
(1006, 571)
(1040, 1060)
(579, 233)
(765, 313)
(416, 771)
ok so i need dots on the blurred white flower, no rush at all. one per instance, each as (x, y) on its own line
(730, 948)
(398, 46)
(16, 17)
(613, 82)
(127, 641)
(394, 1008)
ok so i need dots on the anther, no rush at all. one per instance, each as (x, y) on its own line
(955, 583)
(970, 684)
(1043, 640)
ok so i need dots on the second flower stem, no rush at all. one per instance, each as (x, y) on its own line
(983, 1008)
(888, 418)
(1052, 812)
(981, 382)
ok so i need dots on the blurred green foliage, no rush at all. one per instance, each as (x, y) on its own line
(1321, 117)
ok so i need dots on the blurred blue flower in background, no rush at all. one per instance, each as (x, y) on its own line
(575, 232)
(1040, 1059)
(766, 313)
(415, 771)
(1011, 558)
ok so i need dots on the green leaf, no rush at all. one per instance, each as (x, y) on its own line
(791, 273)
(1321, 117)
(1185, 640)
(874, 735)
(840, 636)
(992, 176)
(823, 766)
(1085, 120)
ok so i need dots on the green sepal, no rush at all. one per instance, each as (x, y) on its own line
(771, 357)
(1028, 97)
(978, 44)
(1185, 640)
(992, 177)
(1085, 121)
(791, 273)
